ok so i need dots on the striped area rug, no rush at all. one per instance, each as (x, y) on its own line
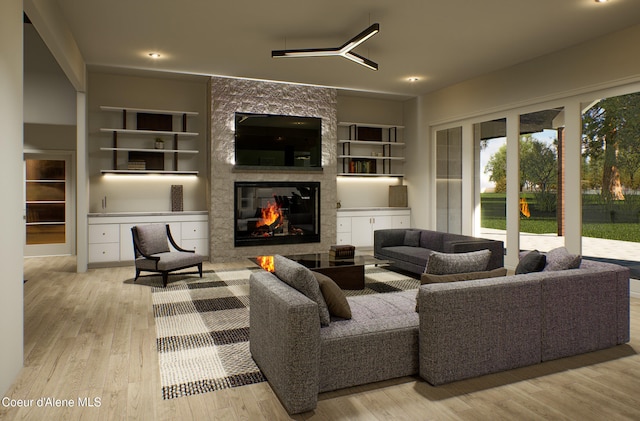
(202, 328)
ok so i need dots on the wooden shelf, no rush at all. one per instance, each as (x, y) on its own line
(356, 174)
(148, 132)
(146, 110)
(151, 150)
(141, 172)
(397, 158)
(378, 126)
(370, 142)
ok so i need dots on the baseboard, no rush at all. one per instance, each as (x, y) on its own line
(634, 288)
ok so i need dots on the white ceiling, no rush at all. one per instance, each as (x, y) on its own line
(441, 42)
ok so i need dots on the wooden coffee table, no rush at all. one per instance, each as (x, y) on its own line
(347, 273)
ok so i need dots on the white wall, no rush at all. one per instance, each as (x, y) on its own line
(49, 98)
(358, 192)
(151, 91)
(11, 222)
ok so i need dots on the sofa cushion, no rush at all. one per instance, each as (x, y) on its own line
(429, 278)
(152, 238)
(431, 240)
(334, 296)
(302, 279)
(560, 259)
(415, 255)
(534, 261)
(447, 263)
(412, 238)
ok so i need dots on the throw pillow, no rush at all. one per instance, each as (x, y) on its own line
(428, 278)
(560, 259)
(334, 296)
(447, 263)
(302, 279)
(152, 238)
(412, 238)
(533, 261)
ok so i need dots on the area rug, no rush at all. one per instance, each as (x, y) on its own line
(202, 328)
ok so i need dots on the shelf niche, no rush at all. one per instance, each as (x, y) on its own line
(149, 122)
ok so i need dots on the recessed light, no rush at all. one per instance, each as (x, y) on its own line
(413, 79)
(601, 1)
(154, 55)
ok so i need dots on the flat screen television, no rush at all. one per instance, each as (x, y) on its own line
(267, 140)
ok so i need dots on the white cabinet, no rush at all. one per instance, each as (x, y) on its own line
(362, 228)
(104, 240)
(356, 226)
(343, 230)
(195, 236)
(111, 242)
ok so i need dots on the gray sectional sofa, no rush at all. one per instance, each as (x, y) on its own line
(409, 249)
(463, 329)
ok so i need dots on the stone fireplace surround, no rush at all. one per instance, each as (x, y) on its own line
(229, 96)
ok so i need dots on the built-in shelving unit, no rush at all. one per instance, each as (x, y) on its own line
(370, 150)
(143, 159)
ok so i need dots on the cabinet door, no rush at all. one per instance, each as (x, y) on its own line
(361, 231)
(400, 221)
(380, 223)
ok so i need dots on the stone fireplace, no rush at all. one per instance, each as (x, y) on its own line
(229, 96)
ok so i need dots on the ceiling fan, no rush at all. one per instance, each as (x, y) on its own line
(345, 50)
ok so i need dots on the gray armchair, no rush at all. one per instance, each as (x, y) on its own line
(152, 252)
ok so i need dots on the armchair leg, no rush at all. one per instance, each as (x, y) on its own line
(165, 277)
(137, 275)
(200, 269)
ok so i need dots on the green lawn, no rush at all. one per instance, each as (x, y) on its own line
(493, 211)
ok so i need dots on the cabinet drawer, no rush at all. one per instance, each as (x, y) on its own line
(104, 252)
(344, 224)
(194, 230)
(344, 238)
(200, 246)
(104, 233)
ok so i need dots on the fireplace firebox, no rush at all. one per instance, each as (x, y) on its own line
(285, 212)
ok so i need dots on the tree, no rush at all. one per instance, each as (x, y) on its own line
(538, 166)
(611, 133)
(497, 168)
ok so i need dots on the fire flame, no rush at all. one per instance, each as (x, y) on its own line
(266, 263)
(524, 207)
(270, 214)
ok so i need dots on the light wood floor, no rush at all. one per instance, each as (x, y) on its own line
(92, 335)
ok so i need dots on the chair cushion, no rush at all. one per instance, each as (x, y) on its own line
(301, 278)
(152, 238)
(169, 261)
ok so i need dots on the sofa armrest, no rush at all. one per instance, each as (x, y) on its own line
(284, 339)
(463, 246)
(388, 238)
(472, 328)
